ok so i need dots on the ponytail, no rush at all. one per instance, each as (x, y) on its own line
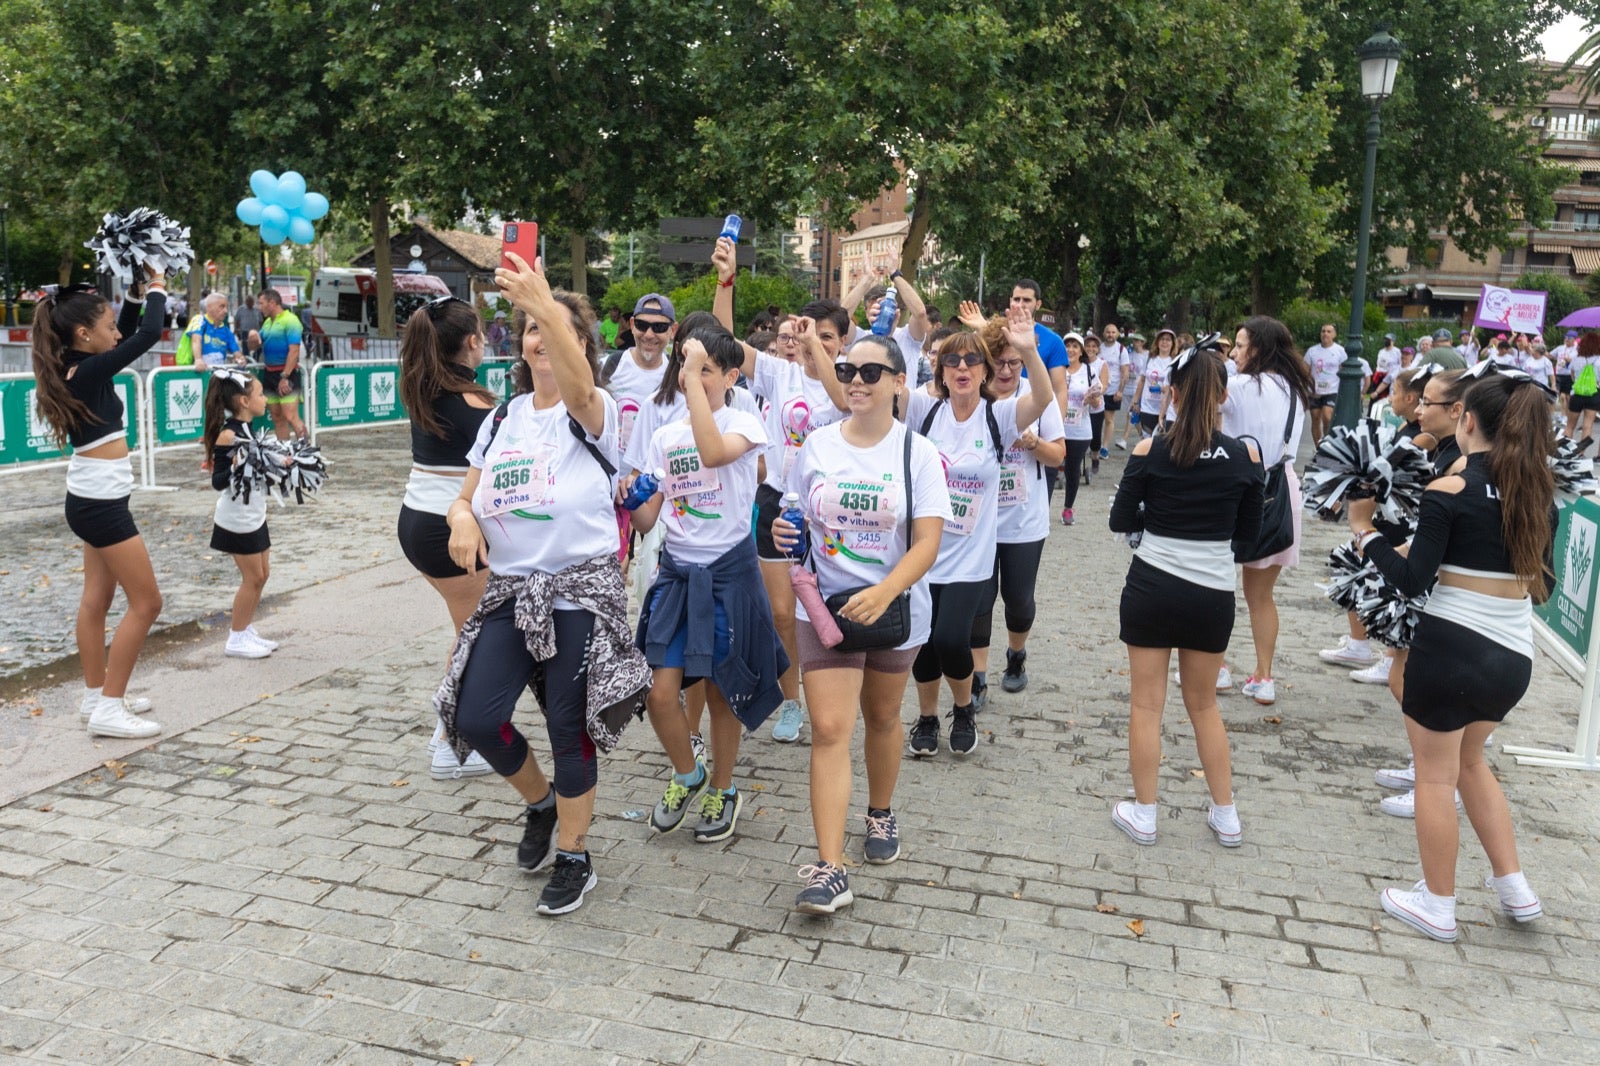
(55, 318)
(693, 323)
(433, 330)
(1513, 414)
(1202, 381)
(225, 388)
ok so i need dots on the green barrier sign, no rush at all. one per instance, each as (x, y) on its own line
(1569, 611)
(357, 395)
(178, 401)
(25, 436)
(496, 377)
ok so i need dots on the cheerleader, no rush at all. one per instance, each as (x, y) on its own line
(1487, 535)
(972, 432)
(78, 348)
(440, 351)
(707, 616)
(239, 527)
(1191, 491)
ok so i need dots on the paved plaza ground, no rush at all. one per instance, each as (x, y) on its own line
(278, 880)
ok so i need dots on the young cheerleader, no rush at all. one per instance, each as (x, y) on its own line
(78, 348)
(233, 401)
(707, 616)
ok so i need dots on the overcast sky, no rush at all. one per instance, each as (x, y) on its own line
(1560, 39)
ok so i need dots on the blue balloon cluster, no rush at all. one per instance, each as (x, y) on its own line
(282, 208)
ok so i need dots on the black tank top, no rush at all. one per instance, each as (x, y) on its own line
(458, 419)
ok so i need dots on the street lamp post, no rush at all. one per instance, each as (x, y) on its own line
(1380, 58)
(5, 261)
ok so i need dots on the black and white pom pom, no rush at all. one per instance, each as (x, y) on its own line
(1348, 571)
(1390, 618)
(1573, 469)
(126, 244)
(1367, 460)
(256, 464)
(304, 473)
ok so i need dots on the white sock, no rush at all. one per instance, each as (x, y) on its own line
(1512, 886)
(1230, 811)
(1360, 646)
(1443, 903)
(238, 634)
(1144, 810)
(91, 693)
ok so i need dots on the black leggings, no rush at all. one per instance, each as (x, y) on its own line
(1097, 425)
(948, 652)
(1016, 566)
(1076, 450)
(500, 668)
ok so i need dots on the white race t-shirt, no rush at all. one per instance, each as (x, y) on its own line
(652, 416)
(543, 501)
(1075, 423)
(1024, 501)
(855, 506)
(972, 474)
(1116, 358)
(797, 404)
(1257, 407)
(1324, 363)
(1388, 363)
(1562, 355)
(1133, 376)
(1540, 369)
(707, 508)
(910, 347)
(1157, 373)
(633, 387)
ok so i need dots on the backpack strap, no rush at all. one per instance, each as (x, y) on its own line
(994, 427)
(495, 419)
(610, 366)
(927, 421)
(911, 514)
(573, 424)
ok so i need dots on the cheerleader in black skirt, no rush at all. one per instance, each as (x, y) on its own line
(1189, 492)
(239, 527)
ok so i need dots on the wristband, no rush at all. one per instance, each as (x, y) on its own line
(894, 274)
(725, 284)
(1365, 537)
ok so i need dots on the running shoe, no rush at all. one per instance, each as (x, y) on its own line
(980, 691)
(1348, 653)
(1428, 914)
(1136, 820)
(827, 889)
(883, 838)
(677, 801)
(569, 882)
(1066, 516)
(538, 845)
(786, 726)
(1105, 453)
(719, 813)
(963, 730)
(1261, 689)
(1224, 680)
(925, 736)
(1016, 676)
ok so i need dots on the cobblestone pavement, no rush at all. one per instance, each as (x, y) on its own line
(286, 884)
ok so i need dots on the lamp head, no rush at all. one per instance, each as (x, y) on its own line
(1380, 59)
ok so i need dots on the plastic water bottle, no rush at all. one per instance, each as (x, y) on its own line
(644, 487)
(731, 227)
(796, 518)
(883, 325)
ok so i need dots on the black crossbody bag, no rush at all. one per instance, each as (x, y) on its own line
(1277, 517)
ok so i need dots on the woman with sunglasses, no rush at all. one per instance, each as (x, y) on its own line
(1190, 491)
(536, 510)
(440, 351)
(972, 433)
(848, 477)
(1024, 519)
(1075, 402)
(1486, 534)
(78, 350)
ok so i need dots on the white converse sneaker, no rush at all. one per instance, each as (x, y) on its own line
(1348, 653)
(1405, 804)
(242, 646)
(1376, 674)
(1136, 819)
(270, 645)
(1224, 822)
(445, 767)
(1516, 898)
(91, 696)
(111, 718)
(1423, 911)
(1406, 779)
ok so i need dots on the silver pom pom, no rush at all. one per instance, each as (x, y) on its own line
(1573, 469)
(1367, 460)
(126, 244)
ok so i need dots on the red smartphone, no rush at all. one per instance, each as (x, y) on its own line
(522, 238)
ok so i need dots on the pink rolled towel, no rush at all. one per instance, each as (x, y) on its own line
(807, 592)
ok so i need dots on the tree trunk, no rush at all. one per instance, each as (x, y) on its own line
(578, 243)
(1178, 314)
(1106, 299)
(64, 268)
(1071, 280)
(917, 235)
(383, 266)
(1263, 297)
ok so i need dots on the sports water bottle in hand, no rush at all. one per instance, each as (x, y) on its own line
(644, 487)
(883, 325)
(796, 518)
(731, 227)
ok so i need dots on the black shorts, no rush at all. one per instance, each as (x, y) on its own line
(425, 539)
(769, 505)
(100, 523)
(1325, 400)
(269, 384)
(1456, 676)
(1584, 403)
(1160, 610)
(1564, 384)
(253, 543)
(1113, 403)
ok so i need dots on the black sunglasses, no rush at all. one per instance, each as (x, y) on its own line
(953, 359)
(651, 327)
(871, 373)
(437, 305)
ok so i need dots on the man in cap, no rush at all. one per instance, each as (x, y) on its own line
(634, 375)
(1467, 345)
(1443, 354)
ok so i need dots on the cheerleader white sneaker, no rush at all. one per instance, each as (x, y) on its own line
(270, 645)
(1348, 653)
(111, 718)
(1138, 820)
(1405, 804)
(1516, 898)
(242, 646)
(91, 696)
(1423, 911)
(1376, 674)
(1406, 779)
(1224, 823)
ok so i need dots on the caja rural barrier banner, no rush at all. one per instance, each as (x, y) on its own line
(25, 436)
